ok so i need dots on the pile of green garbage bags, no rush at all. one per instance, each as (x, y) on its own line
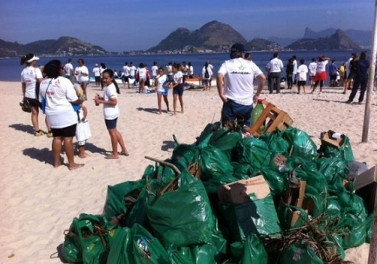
(173, 214)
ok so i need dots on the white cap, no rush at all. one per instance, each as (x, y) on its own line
(33, 59)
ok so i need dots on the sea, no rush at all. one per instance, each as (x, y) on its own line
(10, 68)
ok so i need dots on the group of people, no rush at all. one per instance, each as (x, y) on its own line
(52, 91)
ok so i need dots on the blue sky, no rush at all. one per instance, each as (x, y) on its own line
(123, 25)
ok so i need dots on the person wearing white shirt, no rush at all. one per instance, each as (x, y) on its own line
(235, 86)
(111, 113)
(302, 73)
(59, 95)
(320, 76)
(82, 75)
(97, 74)
(312, 71)
(31, 76)
(162, 89)
(274, 67)
(206, 76)
(68, 70)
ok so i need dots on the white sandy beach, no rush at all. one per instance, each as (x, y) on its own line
(38, 202)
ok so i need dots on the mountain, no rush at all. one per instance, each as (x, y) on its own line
(62, 46)
(282, 41)
(213, 36)
(361, 37)
(337, 41)
(259, 44)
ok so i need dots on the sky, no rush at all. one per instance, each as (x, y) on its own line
(125, 25)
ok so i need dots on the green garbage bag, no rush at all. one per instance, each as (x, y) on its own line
(255, 152)
(226, 140)
(300, 143)
(84, 243)
(299, 254)
(344, 152)
(206, 134)
(137, 246)
(183, 216)
(213, 163)
(249, 251)
(276, 142)
(115, 203)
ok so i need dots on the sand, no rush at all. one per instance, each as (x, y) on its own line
(38, 202)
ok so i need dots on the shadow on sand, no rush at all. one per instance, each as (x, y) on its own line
(23, 128)
(43, 155)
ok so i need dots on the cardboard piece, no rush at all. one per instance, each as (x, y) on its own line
(365, 186)
(238, 192)
(332, 138)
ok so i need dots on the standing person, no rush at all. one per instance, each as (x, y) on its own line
(206, 76)
(132, 71)
(184, 70)
(178, 87)
(154, 71)
(59, 95)
(68, 70)
(289, 73)
(235, 85)
(31, 77)
(294, 61)
(312, 71)
(169, 70)
(162, 89)
(333, 72)
(360, 77)
(275, 66)
(142, 76)
(302, 73)
(126, 74)
(347, 82)
(320, 76)
(111, 113)
(82, 75)
(97, 74)
(191, 70)
(102, 69)
(213, 70)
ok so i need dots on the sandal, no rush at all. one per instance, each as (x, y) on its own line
(38, 133)
(124, 154)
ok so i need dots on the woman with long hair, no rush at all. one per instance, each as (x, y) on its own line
(111, 113)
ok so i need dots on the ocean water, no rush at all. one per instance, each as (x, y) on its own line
(10, 68)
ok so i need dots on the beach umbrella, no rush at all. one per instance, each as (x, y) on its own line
(372, 258)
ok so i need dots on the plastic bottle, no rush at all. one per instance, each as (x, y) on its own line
(255, 114)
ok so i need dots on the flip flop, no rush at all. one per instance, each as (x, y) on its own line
(111, 157)
(124, 153)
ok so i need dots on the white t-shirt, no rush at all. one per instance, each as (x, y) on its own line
(142, 73)
(29, 76)
(302, 72)
(321, 66)
(96, 71)
(154, 70)
(132, 70)
(161, 79)
(275, 65)
(178, 75)
(239, 77)
(312, 68)
(79, 71)
(59, 95)
(210, 73)
(68, 68)
(110, 112)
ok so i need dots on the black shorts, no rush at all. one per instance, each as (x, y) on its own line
(301, 83)
(97, 79)
(111, 124)
(178, 90)
(65, 131)
(33, 102)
